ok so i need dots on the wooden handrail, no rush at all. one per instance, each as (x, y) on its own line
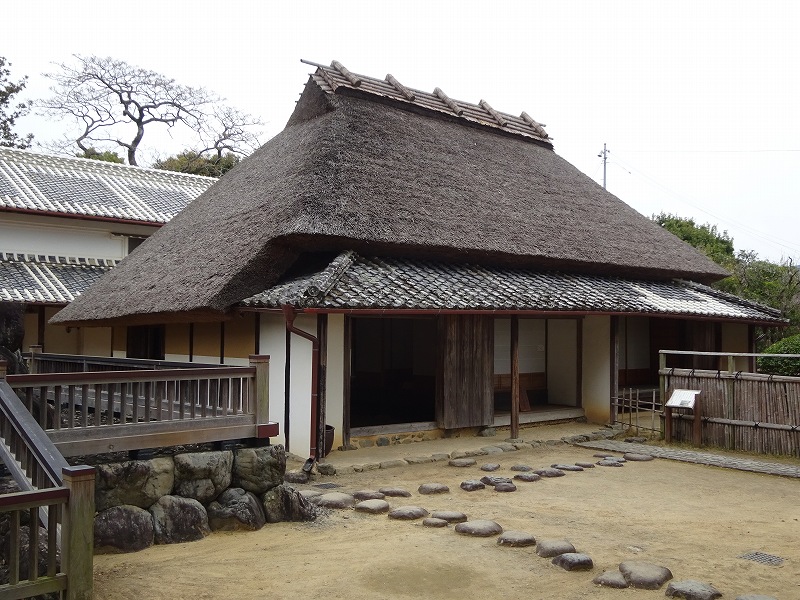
(33, 499)
(85, 377)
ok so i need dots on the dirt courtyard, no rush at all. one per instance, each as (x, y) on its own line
(694, 520)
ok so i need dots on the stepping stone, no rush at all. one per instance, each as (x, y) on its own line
(585, 465)
(609, 463)
(755, 597)
(505, 487)
(645, 576)
(636, 440)
(394, 492)
(603, 455)
(692, 590)
(368, 495)
(462, 462)
(309, 494)
(408, 513)
(551, 548)
(573, 561)
(373, 506)
(636, 457)
(567, 467)
(516, 539)
(522, 468)
(490, 467)
(433, 488)
(492, 450)
(434, 522)
(611, 579)
(472, 485)
(479, 528)
(335, 500)
(494, 479)
(550, 472)
(450, 516)
(527, 477)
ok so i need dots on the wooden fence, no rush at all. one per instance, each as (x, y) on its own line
(638, 409)
(99, 412)
(58, 496)
(753, 412)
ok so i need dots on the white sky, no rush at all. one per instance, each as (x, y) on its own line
(698, 101)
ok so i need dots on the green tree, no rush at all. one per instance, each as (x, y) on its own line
(10, 110)
(106, 156)
(197, 164)
(782, 366)
(718, 246)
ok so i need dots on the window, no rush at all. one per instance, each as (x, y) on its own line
(146, 341)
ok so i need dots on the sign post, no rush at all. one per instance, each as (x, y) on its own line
(685, 399)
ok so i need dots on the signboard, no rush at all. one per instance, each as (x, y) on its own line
(682, 399)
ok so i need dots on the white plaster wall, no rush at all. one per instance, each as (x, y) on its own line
(596, 367)
(562, 361)
(273, 343)
(531, 346)
(62, 240)
(334, 400)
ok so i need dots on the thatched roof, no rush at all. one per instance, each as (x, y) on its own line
(364, 171)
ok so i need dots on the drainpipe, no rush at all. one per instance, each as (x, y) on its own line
(290, 314)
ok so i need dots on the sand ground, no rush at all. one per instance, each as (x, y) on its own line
(695, 520)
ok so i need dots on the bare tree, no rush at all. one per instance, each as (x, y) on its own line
(114, 103)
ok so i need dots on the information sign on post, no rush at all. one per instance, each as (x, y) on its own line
(687, 399)
(682, 399)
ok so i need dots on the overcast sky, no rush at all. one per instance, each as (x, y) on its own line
(698, 102)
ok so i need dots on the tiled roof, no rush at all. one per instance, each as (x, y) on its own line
(47, 279)
(92, 188)
(353, 282)
(337, 77)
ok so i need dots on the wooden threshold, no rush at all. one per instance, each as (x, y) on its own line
(540, 416)
(393, 428)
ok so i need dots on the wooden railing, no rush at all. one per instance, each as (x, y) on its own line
(638, 409)
(100, 412)
(754, 412)
(58, 496)
(42, 362)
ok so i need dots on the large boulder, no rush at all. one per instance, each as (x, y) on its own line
(177, 519)
(284, 503)
(203, 475)
(258, 470)
(236, 510)
(124, 528)
(136, 482)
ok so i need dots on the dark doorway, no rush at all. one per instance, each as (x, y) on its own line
(146, 341)
(393, 371)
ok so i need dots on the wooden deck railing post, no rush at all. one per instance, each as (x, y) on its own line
(261, 387)
(36, 350)
(662, 387)
(730, 409)
(3, 370)
(77, 532)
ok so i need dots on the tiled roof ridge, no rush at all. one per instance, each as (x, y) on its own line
(46, 160)
(21, 257)
(331, 78)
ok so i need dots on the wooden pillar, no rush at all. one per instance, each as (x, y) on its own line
(261, 401)
(77, 539)
(3, 370)
(515, 377)
(34, 366)
(730, 404)
(662, 389)
(697, 425)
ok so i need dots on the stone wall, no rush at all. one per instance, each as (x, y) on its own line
(181, 498)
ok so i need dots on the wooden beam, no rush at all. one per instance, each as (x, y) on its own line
(515, 377)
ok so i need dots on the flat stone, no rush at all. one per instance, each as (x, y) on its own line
(585, 465)
(490, 467)
(636, 440)
(528, 477)
(692, 590)
(391, 464)
(368, 495)
(433, 488)
(573, 561)
(611, 579)
(523, 446)
(555, 443)
(506, 446)
(335, 500)
(479, 528)
(373, 506)
(394, 492)
(551, 548)
(408, 513)
(516, 539)
(492, 450)
(574, 468)
(514, 441)
(462, 462)
(609, 463)
(494, 479)
(451, 516)
(550, 472)
(434, 522)
(645, 576)
(440, 456)
(755, 597)
(604, 455)
(487, 432)
(472, 485)
(418, 460)
(458, 454)
(505, 487)
(522, 468)
(476, 452)
(636, 457)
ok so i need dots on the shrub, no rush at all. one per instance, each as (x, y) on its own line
(782, 366)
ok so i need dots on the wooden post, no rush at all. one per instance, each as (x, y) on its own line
(34, 366)
(77, 532)
(515, 377)
(662, 391)
(667, 424)
(697, 426)
(3, 370)
(261, 401)
(730, 397)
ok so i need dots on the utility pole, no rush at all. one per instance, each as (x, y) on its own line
(604, 156)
